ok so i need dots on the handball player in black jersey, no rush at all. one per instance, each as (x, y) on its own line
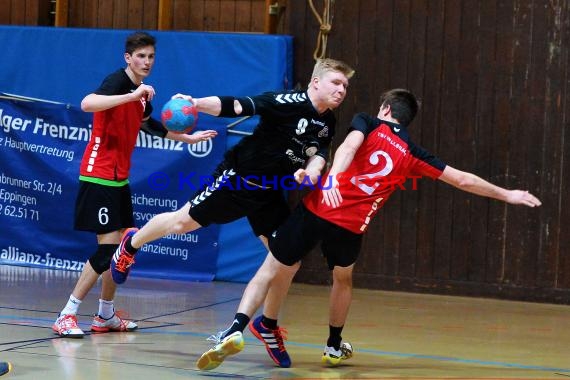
(293, 136)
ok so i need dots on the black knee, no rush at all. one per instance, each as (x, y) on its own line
(101, 259)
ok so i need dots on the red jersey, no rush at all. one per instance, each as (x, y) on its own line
(115, 131)
(386, 161)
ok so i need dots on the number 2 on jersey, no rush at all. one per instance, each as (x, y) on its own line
(374, 160)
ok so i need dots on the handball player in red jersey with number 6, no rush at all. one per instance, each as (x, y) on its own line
(121, 108)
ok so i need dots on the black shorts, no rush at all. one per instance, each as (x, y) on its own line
(102, 209)
(302, 232)
(229, 199)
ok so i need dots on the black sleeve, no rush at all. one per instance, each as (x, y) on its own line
(147, 110)
(262, 104)
(364, 123)
(426, 159)
(154, 127)
(112, 85)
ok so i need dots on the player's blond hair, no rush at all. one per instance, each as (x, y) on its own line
(324, 65)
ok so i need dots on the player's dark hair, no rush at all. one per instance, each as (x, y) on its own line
(403, 104)
(138, 40)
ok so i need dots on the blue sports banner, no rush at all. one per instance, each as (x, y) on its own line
(194, 63)
(41, 145)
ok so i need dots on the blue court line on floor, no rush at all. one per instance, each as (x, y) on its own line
(156, 329)
(191, 309)
(135, 320)
(390, 353)
(466, 361)
(216, 375)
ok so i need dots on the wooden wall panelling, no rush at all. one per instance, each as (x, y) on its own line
(242, 16)
(120, 14)
(31, 8)
(105, 10)
(258, 13)
(462, 134)
(550, 169)
(165, 16)
(90, 15)
(301, 24)
(419, 220)
(531, 139)
(37, 12)
(433, 111)
(538, 268)
(560, 192)
(211, 15)
(470, 216)
(18, 12)
(485, 130)
(187, 14)
(5, 12)
(563, 270)
(75, 14)
(446, 251)
(453, 201)
(527, 147)
(519, 112)
(498, 212)
(150, 15)
(135, 14)
(381, 55)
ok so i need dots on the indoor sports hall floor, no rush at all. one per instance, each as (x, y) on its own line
(395, 335)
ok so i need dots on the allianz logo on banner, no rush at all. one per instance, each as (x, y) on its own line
(199, 150)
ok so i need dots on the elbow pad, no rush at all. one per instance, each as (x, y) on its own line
(228, 109)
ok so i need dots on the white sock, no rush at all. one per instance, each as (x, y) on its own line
(106, 309)
(71, 306)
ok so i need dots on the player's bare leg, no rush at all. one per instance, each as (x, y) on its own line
(335, 350)
(176, 222)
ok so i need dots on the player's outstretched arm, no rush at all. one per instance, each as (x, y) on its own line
(473, 184)
(194, 137)
(96, 102)
(210, 104)
(342, 159)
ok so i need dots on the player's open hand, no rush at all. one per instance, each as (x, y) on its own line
(202, 135)
(522, 197)
(305, 177)
(187, 97)
(194, 138)
(331, 194)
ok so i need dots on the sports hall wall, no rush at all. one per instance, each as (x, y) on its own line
(493, 80)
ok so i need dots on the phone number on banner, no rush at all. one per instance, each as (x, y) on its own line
(19, 212)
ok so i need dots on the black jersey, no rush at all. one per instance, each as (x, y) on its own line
(289, 132)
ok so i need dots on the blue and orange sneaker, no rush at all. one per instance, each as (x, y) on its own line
(122, 260)
(273, 340)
